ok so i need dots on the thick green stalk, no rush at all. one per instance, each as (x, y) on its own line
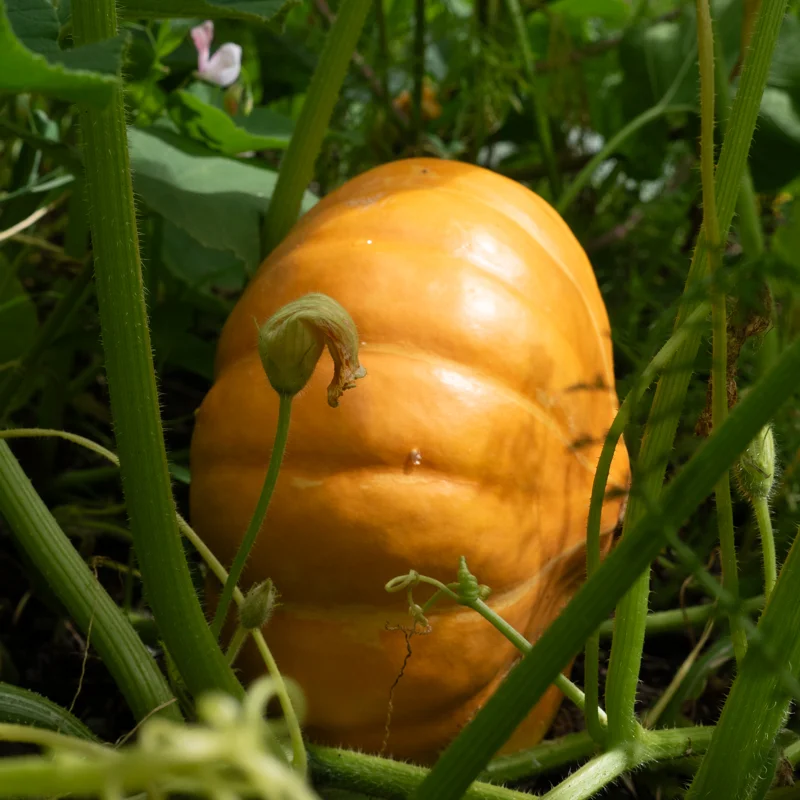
(604, 769)
(297, 166)
(749, 226)
(719, 313)
(257, 520)
(295, 734)
(65, 572)
(544, 757)
(538, 101)
(384, 778)
(599, 483)
(679, 619)
(757, 705)
(132, 383)
(664, 415)
(524, 685)
(23, 707)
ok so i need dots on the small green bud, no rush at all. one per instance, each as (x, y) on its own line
(292, 340)
(259, 603)
(755, 470)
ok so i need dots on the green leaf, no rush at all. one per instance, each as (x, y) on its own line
(249, 10)
(775, 153)
(18, 321)
(613, 12)
(261, 130)
(174, 343)
(32, 61)
(785, 68)
(198, 267)
(217, 200)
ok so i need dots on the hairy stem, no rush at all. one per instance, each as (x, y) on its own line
(66, 573)
(297, 166)
(719, 313)
(131, 380)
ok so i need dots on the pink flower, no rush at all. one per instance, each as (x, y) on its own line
(224, 66)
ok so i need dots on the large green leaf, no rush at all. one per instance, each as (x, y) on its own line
(205, 122)
(775, 154)
(198, 267)
(32, 61)
(216, 200)
(250, 10)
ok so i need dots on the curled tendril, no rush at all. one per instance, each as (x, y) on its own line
(403, 582)
(469, 589)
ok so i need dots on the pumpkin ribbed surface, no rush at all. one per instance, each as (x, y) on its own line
(476, 432)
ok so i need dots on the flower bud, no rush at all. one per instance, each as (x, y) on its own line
(259, 603)
(292, 340)
(755, 470)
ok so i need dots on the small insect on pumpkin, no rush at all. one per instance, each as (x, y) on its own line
(475, 433)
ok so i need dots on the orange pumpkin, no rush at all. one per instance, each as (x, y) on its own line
(476, 432)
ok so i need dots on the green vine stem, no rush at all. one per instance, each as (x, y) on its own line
(678, 619)
(39, 535)
(719, 313)
(757, 705)
(378, 777)
(663, 107)
(764, 520)
(257, 520)
(295, 734)
(468, 593)
(623, 416)
(524, 685)
(297, 166)
(548, 755)
(749, 226)
(659, 435)
(132, 383)
(22, 707)
(605, 768)
(537, 99)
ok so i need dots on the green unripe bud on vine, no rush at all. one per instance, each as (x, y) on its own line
(755, 470)
(292, 340)
(259, 603)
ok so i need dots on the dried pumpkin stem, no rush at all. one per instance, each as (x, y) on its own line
(257, 520)
(719, 387)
